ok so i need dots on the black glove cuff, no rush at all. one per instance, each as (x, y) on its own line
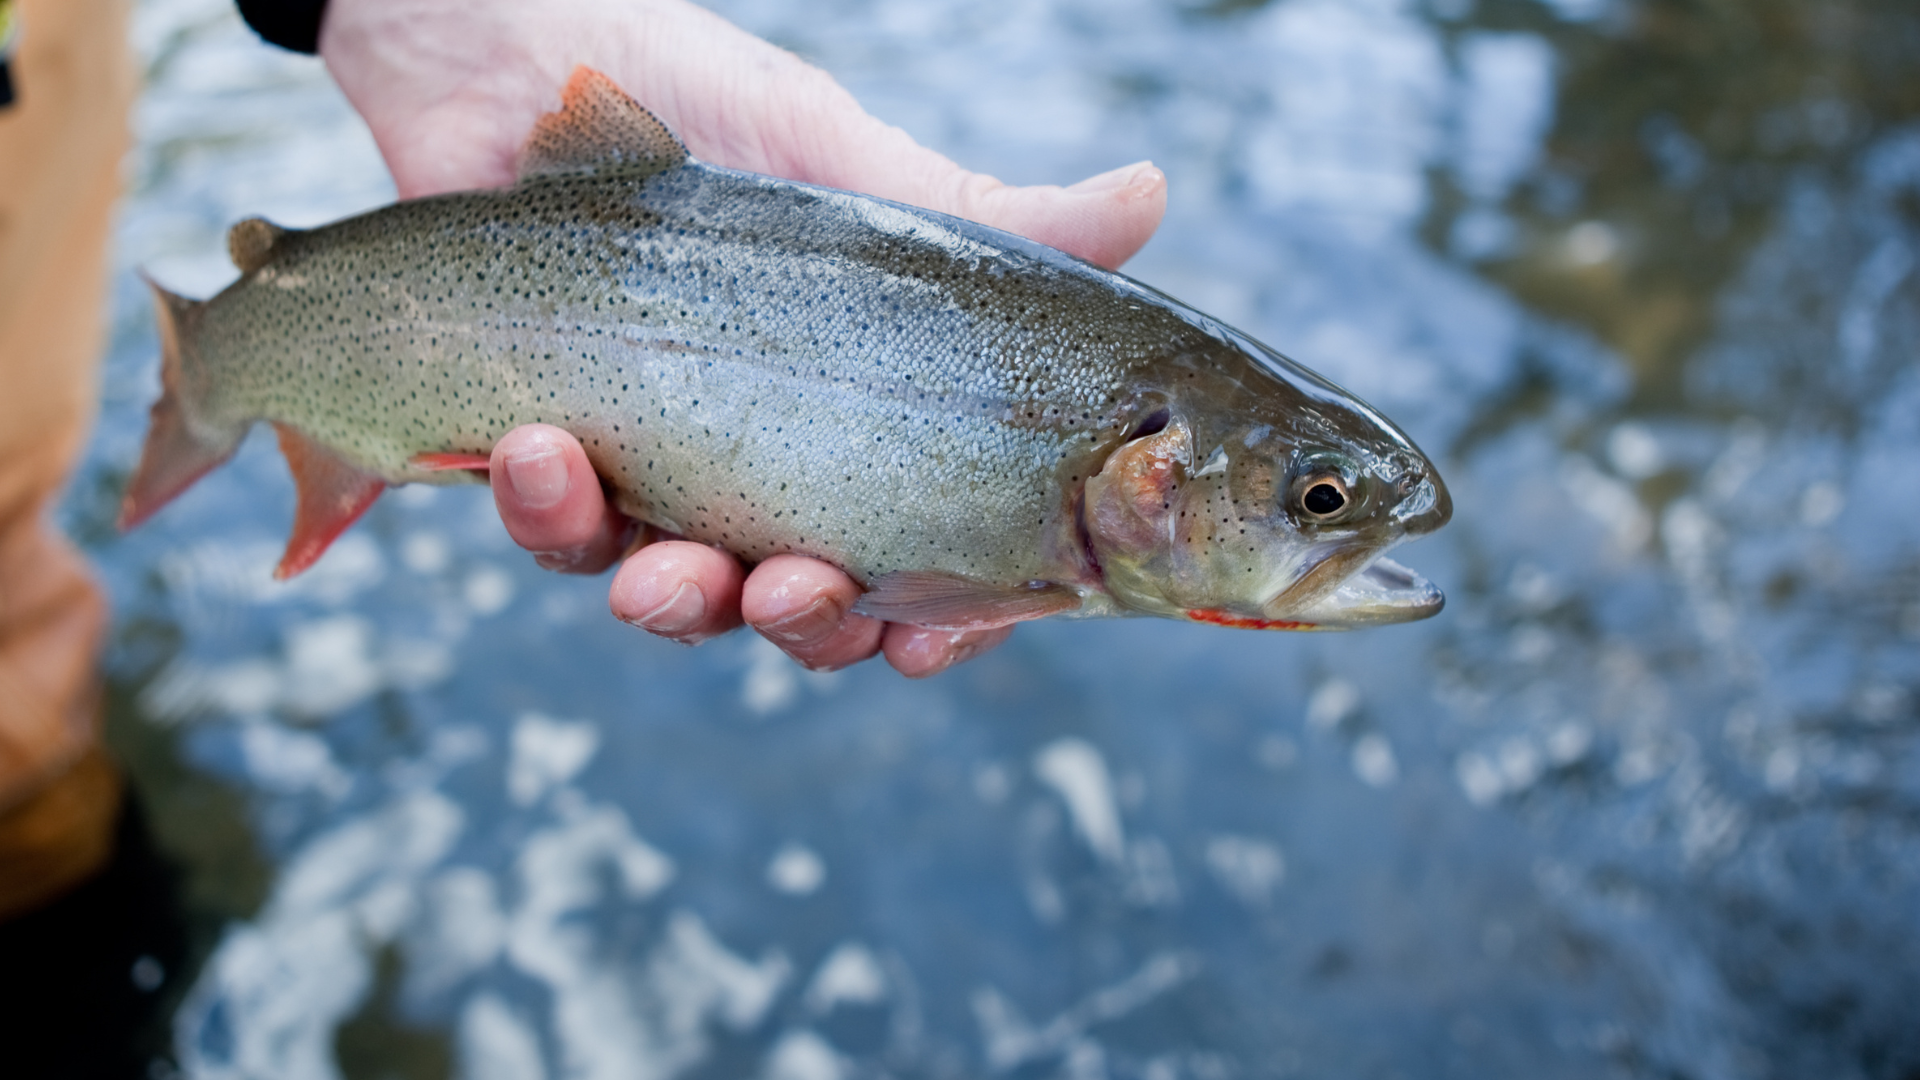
(290, 24)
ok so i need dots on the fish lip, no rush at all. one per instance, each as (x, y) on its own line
(1380, 593)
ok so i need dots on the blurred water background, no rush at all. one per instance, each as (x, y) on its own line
(1643, 802)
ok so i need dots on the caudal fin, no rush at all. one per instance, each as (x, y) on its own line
(181, 447)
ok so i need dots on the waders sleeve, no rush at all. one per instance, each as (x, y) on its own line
(290, 24)
(61, 144)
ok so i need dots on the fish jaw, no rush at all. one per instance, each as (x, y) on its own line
(1381, 593)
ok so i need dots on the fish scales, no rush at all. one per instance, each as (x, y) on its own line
(978, 428)
(917, 401)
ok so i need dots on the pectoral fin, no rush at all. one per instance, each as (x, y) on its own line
(942, 601)
(332, 494)
(480, 463)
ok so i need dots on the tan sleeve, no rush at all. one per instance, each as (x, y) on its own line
(61, 146)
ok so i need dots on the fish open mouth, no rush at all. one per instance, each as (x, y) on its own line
(1381, 592)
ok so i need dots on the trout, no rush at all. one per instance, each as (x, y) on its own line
(977, 428)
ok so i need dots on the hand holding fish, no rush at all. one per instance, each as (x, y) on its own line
(450, 89)
(898, 415)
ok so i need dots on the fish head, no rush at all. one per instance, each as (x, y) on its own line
(1266, 508)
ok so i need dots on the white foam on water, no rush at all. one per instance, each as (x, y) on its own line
(1505, 109)
(1332, 703)
(1009, 1040)
(497, 1043)
(610, 1018)
(460, 931)
(802, 1055)
(488, 590)
(270, 997)
(1247, 867)
(1078, 774)
(796, 870)
(392, 844)
(1612, 503)
(546, 753)
(426, 551)
(1374, 761)
(288, 761)
(329, 664)
(850, 975)
(1357, 92)
(772, 681)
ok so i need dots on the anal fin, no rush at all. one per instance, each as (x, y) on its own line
(332, 495)
(943, 601)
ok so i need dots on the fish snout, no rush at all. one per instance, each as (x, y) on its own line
(1426, 504)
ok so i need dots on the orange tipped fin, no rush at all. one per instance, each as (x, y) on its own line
(180, 447)
(480, 463)
(599, 127)
(332, 495)
(943, 601)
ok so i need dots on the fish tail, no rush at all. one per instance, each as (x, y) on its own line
(181, 445)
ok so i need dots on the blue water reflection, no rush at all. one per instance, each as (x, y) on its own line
(1641, 802)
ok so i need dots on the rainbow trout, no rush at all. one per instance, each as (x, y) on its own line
(977, 428)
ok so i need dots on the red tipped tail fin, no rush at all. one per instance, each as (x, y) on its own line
(180, 447)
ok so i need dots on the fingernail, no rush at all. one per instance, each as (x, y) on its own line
(538, 475)
(808, 625)
(681, 612)
(1114, 179)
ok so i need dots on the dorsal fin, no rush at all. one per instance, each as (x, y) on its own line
(251, 243)
(598, 127)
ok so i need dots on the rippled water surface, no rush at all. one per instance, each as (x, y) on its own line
(1644, 801)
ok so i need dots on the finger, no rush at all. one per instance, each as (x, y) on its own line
(917, 652)
(803, 605)
(763, 109)
(551, 502)
(678, 589)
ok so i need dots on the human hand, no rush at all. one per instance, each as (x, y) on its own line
(450, 88)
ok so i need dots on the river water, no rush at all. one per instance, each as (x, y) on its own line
(1644, 801)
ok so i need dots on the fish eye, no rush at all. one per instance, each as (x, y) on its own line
(1322, 497)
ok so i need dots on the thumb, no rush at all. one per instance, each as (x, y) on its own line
(1104, 219)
